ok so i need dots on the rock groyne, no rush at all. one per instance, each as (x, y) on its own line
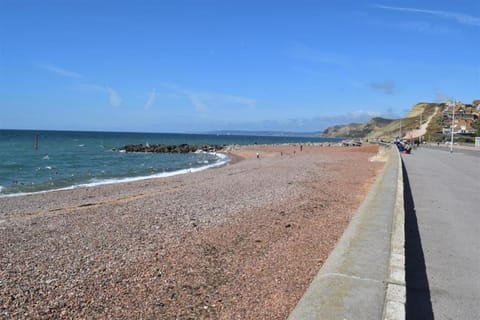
(177, 148)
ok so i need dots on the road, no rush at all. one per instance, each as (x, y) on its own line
(442, 209)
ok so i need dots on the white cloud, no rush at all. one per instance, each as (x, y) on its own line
(113, 97)
(196, 101)
(458, 17)
(425, 27)
(60, 71)
(226, 100)
(202, 101)
(151, 99)
(192, 96)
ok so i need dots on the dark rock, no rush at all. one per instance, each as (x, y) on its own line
(161, 148)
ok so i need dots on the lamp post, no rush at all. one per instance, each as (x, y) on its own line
(400, 130)
(420, 135)
(453, 126)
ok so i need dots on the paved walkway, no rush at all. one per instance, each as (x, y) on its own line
(442, 194)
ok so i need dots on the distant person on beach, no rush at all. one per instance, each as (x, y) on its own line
(301, 147)
(258, 155)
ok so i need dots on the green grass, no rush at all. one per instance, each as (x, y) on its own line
(408, 123)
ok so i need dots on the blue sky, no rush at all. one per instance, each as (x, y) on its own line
(190, 66)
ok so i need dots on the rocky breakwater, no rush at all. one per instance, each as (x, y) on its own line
(162, 148)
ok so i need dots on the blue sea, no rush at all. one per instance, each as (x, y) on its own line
(69, 159)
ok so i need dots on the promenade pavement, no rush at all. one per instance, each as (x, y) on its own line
(442, 233)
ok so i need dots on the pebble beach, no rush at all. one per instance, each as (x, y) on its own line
(242, 241)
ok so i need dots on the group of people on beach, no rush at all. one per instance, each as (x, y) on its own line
(403, 147)
(281, 152)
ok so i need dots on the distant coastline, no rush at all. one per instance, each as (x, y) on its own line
(316, 134)
(246, 133)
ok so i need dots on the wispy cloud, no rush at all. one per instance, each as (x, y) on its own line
(60, 71)
(151, 99)
(387, 87)
(113, 96)
(194, 98)
(201, 100)
(458, 17)
(196, 101)
(226, 100)
(425, 27)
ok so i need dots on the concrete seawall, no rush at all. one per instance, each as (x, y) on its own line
(364, 276)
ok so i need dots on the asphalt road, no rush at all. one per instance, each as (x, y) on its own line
(442, 231)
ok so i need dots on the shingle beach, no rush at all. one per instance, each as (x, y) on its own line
(242, 241)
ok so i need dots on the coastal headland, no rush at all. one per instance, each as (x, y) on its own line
(242, 241)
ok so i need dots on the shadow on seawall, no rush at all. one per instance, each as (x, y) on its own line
(419, 305)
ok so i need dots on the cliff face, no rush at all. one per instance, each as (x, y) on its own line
(356, 130)
(344, 131)
(381, 128)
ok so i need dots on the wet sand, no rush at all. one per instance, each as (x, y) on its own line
(242, 241)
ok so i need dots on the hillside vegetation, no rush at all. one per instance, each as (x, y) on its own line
(414, 123)
(356, 130)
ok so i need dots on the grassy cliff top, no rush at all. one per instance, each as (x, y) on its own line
(422, 118)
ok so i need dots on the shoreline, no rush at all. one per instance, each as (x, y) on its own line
(241, 241)
(223, 160)
(231, 158)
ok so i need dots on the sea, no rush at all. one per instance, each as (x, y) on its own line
(42, 161)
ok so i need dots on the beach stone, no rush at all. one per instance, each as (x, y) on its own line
(135, 255)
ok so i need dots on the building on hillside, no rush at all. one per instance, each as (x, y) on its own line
(447, 111)
(461, 126)
(467, 116)
(460, 113)
(476, 104)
